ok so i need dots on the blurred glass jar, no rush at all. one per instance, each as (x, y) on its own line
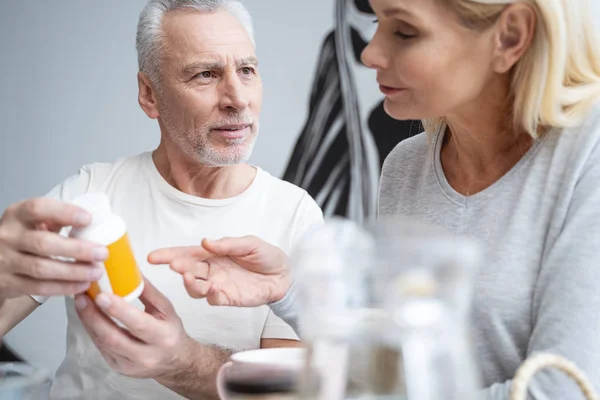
(21, 381)
(384, 309)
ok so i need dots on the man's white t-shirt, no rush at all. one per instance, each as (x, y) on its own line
(157, 216)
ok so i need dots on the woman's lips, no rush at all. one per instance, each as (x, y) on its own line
(390, 91)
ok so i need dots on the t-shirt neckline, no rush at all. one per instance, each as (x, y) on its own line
(166, 188)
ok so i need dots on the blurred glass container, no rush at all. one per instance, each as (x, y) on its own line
(21, 381)
(384, 309)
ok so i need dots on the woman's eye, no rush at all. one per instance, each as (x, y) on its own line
(404, 36)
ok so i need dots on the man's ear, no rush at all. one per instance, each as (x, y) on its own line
(146, 96)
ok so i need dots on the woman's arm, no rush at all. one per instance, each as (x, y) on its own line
(286, 308)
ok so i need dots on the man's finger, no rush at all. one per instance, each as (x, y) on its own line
(139, 323)
(199, 269)
(45, 288)
(154, 300)
(42, 268)
(197, 289)
(107, 336)
(166, 255)
(233, 247)
(216, 297)
(47, 244)
(43, 226)
(52, 212)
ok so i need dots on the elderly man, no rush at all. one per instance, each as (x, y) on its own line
(199, 78)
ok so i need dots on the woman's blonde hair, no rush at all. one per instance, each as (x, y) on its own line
(557, 80)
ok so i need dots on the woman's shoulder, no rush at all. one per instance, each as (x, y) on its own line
(590, 128)
(579, 144)
(407, 154)
(404, 173)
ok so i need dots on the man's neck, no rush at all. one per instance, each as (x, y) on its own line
(189, 176)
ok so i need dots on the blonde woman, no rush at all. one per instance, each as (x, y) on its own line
(508, 91)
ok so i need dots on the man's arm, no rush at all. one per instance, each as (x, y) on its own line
(205, 362)
(195, 378)
(15, 310)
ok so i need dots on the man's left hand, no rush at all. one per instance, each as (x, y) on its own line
(154, 345)
(232, 271)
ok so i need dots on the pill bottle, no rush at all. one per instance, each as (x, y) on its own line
(122, 275)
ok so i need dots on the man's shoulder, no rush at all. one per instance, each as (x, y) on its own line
(281, 187)
(103, 170)
(286, 194)
(93, 176)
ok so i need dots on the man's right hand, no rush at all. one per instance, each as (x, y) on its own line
(29, 239)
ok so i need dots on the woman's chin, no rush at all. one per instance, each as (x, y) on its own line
(401, 110)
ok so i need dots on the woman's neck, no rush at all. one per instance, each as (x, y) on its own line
(481, 145)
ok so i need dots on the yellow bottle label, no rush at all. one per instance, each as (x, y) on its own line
(121, 269)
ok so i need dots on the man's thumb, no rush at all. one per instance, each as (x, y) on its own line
(153, 299)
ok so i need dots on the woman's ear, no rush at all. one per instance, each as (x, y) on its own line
(515, 31)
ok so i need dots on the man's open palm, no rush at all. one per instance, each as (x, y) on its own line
(241, 272)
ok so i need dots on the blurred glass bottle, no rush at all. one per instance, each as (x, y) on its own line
(385, 309)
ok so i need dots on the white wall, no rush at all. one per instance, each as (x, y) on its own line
(68, 97)
(595, 11)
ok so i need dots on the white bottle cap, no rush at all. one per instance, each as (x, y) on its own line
(97, 204)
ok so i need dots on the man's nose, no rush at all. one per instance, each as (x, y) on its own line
(233, 95)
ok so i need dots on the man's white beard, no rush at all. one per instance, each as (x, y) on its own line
(207, 154)
(198, 146)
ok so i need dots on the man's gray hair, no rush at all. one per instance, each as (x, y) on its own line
(149, 42)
